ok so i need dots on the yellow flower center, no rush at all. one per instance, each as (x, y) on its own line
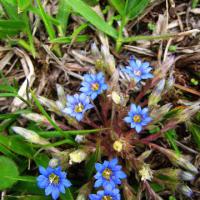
(137, 72)
(107, 173)
(107, 198)
(79, 108)
(53, 178)
(95, 86)
(137, 118)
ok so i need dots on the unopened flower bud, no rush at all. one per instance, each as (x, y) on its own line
(80, 138)
(81, 197)
(116, 97)
(118, 145)
(94, 50)
(35, 117)
(61, 94)
(60, 105)
(185, 114)
(179, 160)
(31, 136)
(155, 96)
(77, 156)
(187, 176)
(54, 162)
(51, 105)
(184, 189)
(165, 67)
(158, 113)
(170, 81)
(108, 59)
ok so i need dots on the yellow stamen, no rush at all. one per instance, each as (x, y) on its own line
(95, 86)
(137, 72)
(137, 118)
(107, 173)
(53, 178)
(107, 198)
(79, 108)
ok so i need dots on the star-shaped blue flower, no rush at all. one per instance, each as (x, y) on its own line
(137, 117)
(109, 193)
(53, 180)
(93, 85)
(77, 105)
(108, 173)
(138, 70)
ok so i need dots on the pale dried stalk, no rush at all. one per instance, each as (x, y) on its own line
(28, 82)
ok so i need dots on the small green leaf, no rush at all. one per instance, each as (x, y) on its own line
(8, 170)
(172, 198)
(68, 195)
(12, 24)
(90, 165)
(52, 134)
(195, 3)
(119, 5)
(26, 187)
(90, 15)
(17, 145)
(41, 160)
(91, 2)
(6, 152)
(23, 5)
(195, 131)
(135, 7)
(171, 137)
(68, 40)
(62, 16)
(10, 8)
(47, 22)
(157, 187)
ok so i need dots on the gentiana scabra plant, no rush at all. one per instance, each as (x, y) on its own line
(113, 121)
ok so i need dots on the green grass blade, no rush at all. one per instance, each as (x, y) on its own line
(135, 7)
(50, 134)
(195, 3)
(10, 9)
(29, 34)
(90, 15)
(23, 5)
(45, 19)
(14, 114)
(63, 16)
(7, 95)
(119, 5)
(76, 32)
(12, 24)
(171, 138)
(68, 40)
(68, 195)
(195, 131)
(90, 165)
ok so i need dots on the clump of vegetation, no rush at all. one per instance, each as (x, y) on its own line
(99, 99)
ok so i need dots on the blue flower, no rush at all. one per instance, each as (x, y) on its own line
(137, 117)
(138, 70)
(77, 105)
(109, 193)
(93, 85)
(53, 180)
(108, 173)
